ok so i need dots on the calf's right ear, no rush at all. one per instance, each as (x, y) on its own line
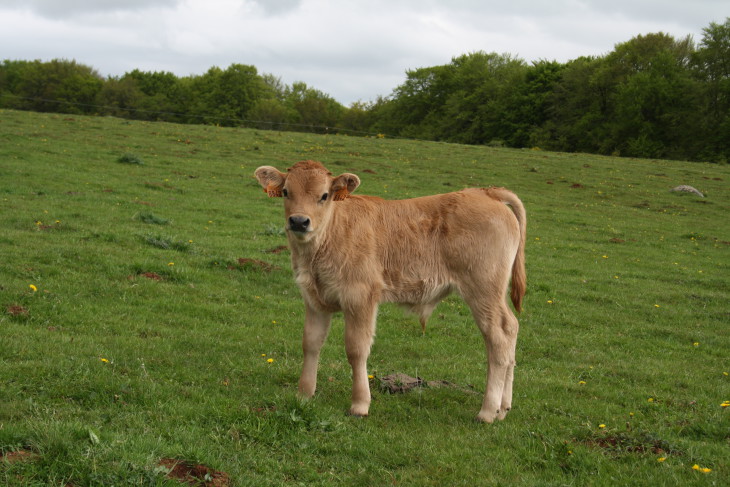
(271, 179)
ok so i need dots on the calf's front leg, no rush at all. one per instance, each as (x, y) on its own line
(359, 332)
(316, 328)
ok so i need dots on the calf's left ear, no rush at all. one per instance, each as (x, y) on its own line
(271, 179)
(343, 185)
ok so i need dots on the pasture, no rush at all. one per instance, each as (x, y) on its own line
(148, 317)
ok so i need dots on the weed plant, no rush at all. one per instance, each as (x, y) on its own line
(121, 347)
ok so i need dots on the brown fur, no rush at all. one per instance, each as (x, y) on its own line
(359, 251)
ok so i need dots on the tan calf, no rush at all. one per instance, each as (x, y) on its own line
(350, 253)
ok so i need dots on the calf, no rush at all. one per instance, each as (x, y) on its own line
(350, 253)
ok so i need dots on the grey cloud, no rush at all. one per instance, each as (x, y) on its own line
(70, 8)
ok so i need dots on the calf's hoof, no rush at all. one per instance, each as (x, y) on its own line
(358, 411)
(490, 416)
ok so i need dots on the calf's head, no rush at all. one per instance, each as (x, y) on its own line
(309, 191)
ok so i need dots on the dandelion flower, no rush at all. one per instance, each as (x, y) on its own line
(651, 399)
(263, 355)
(661, 459)
(656, 305)
(371, 376)
(550, 301)
(582, 382)
(725, 404)
(171, 264)
(33, 288)
(705, 470)
(601, 426)
(106, 361)
(695, 467)
(271, 360)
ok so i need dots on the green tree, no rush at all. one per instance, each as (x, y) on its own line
(316, 111)
(56, 86)
(712, 67)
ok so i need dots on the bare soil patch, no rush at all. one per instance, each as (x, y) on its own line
(192, 474)
(246, 263)
(401, 383)
(17, 310)
(18, 456)
(277, 250)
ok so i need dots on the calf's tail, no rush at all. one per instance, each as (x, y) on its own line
(519, 276)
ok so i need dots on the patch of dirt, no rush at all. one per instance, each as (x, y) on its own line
(246, 263)
(577, 186)
(277, 250)
(147, 275)
(191, 474)
(617, 240)
(18, 456)
(401, 383)
(629, 443)
(369, 171)
(17, 310)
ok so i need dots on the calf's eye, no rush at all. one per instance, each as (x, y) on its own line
(324, 197)
(285, 193)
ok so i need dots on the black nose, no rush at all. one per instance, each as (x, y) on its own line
(298, 223)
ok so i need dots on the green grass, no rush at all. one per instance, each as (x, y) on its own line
(143, 342)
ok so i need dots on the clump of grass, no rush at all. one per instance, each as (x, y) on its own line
(152, 219)
(166, 243)
(272, 230)
(129, 158)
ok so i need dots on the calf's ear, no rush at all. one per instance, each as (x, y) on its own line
(271, 179)
(343, 185)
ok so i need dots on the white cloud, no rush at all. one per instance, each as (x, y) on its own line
(350, 50)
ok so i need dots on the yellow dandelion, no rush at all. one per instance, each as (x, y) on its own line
(695, 467)
(371, 376)
(651, 399)
(656, 306)
(661, 459)
(550, 301)
(271, 360)
(106, 361)
(33, 288)
(725, 404)
(705, 470)
(582, 382)
(263, 355)
(726, 374)
(696, 344)
(171, 264)
(601, 426)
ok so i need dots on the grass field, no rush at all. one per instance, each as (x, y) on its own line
(148, 315)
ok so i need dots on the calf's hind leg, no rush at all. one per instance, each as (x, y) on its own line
(499, 328)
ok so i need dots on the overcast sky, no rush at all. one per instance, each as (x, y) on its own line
(350, 49)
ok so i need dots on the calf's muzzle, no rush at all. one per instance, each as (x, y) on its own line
(299, 223)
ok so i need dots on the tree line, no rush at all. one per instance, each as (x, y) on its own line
(653, 96)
